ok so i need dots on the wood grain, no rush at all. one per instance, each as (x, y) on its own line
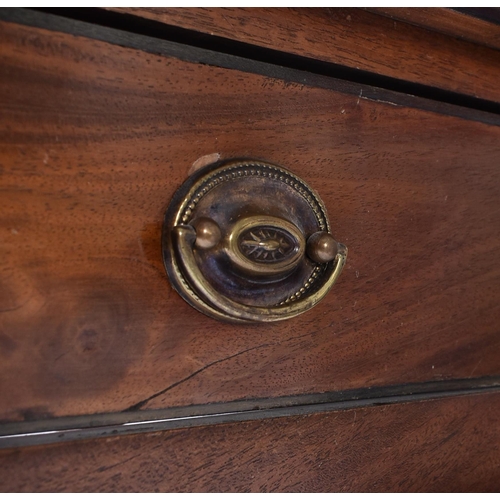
(351, 37)
(442, 445)
(447, 21)
(95, 140)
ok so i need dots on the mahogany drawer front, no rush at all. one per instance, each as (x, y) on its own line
(96, 139)
(442, 445)
(457, 23)
(437, 47)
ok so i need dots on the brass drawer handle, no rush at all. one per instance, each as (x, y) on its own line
(248, 241)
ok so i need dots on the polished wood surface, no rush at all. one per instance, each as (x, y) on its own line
(447, 21)
(352, 37)
(442, 445)
(95, 140)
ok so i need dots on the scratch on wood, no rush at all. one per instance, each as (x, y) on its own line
(359, 97)
(140, 404)
(378, 100)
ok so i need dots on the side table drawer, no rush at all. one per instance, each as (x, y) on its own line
(96, 139)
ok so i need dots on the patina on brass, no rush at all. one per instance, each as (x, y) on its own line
(321, 247)
(207, 232)
(264, 245)
(248, 241)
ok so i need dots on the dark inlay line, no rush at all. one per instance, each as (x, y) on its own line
(62, 429)
(157, 38)
(156, 29)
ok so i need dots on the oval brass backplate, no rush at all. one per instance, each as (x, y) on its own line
(248, 241)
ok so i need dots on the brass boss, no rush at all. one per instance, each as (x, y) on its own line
(249, 241)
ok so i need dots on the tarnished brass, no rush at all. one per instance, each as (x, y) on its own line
(321, 247)
(247, 241)
(207, 233)
(265, 245)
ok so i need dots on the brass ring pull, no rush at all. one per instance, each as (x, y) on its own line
(248, 241)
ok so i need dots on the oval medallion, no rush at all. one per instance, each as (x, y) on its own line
(267, 244)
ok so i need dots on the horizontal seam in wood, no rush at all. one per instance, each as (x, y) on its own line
(63, 429)
(198, 48)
